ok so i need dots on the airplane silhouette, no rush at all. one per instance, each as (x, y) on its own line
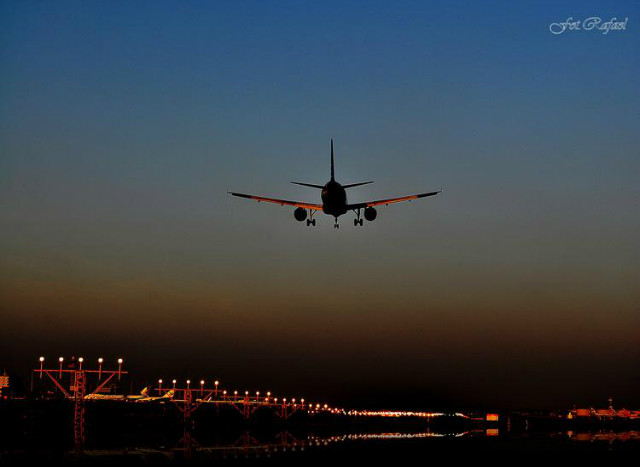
(142, 397)
(334, 201)
(145, 397)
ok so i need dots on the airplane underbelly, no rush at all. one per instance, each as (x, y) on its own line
(334, 209)
(334, 202)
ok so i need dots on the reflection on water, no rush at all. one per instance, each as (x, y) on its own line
(285, 441)
(609, 436)
(247, 445)
(250, 446)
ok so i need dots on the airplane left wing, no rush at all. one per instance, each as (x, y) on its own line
(281, 202)
(370, 204)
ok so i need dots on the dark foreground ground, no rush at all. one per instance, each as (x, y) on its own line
(41, 432)
(501, 450)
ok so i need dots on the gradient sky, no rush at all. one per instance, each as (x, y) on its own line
(122, 125)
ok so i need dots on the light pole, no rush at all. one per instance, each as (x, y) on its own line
(215, 383)
(100, 360)
(41, 366)
(201, 387)
(160, 387)
(80, 360)
(174, 384)
(61, 359)
(119, 368)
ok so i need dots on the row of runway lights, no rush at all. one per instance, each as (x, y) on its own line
(236, 397)
(311, 407)
(397, 414)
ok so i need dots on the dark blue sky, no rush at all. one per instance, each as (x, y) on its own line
(122, 125)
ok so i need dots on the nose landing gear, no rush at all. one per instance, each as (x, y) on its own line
(336, 225)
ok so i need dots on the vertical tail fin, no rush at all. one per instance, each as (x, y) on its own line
(332, 170)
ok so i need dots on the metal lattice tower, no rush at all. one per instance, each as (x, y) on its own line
(79, 389)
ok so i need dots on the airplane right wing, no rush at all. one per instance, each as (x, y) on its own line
(370, 204)
(281, 202)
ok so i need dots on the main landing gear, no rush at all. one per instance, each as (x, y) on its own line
(336, 225)
(357, 222)
(311, 220)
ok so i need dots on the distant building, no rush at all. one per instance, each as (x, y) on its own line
(604, 414)
(4, 385)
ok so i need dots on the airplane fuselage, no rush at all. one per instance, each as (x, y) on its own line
(334, 199)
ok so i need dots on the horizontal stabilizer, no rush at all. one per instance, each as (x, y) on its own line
(351, 185)
(308, 184)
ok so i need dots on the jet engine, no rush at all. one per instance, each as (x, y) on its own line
(300, 214)
(370, 214)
